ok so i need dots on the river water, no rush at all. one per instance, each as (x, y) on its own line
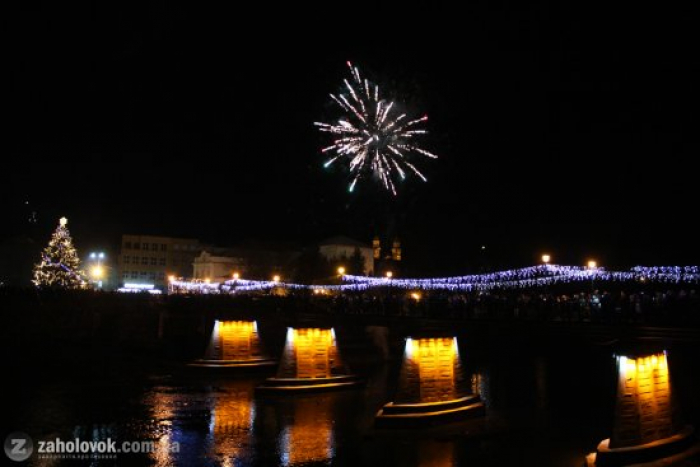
(546, 405)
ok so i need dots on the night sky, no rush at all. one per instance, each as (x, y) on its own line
(559, 129)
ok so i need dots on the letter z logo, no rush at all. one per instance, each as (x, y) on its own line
(18, 446)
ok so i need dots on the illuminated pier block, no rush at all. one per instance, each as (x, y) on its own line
(310, 362)
(647, 428)
(432, 386)
(234, 344)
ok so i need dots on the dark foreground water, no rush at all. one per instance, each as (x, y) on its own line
(547, 404)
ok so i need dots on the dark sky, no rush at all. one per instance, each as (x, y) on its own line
(559, 128)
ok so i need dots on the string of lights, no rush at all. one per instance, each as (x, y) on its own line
(534, 276)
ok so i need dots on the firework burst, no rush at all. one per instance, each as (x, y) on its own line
(373, 136)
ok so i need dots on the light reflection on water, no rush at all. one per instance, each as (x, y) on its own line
(549, 405)
(309, 436)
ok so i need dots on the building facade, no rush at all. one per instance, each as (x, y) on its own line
(150, 260)
(219, 264)
(343, 247)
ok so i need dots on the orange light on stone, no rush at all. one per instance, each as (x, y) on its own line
(429, 367)
(646, 428)
(234, 343)
(310, 361)
(644, 408)
(309, 353)
(235, 340)
(432, 385)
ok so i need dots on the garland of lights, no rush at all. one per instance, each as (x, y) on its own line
(533, 276)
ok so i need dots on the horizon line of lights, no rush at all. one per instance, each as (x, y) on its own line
(541, 275)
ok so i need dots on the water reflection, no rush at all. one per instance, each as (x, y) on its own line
(212, 424)
(541, 407)
(232, 423)
(307, 429)
(309, 438)
(436, 454)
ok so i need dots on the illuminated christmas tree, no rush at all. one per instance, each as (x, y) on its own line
(60, 265)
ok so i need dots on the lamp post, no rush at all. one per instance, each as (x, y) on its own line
(96, 270)
(592, 266)
(546, 258)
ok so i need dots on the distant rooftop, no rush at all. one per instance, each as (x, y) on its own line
(343, 240)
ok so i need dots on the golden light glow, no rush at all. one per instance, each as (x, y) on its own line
(309, 438)
(236, 276)
(389, 274)
(313, 347)
(232, 420)
(97, 272)
(644, 366)
(592, 264)
(435, 359)
(341, 270)
(171, 278)
(234, 340)
(207, 280)
(416, 296)
(546, 258)
(276, 278)
(434, 453)
(644, 406)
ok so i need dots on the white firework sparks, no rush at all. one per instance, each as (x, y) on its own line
(372, 137)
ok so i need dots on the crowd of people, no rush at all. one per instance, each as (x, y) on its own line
(680, 305)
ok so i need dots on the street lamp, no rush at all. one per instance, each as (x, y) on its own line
(546, 258)
(276, 278)
(236, 276)
(592, 265)
(341, 271)
(97, 271)
(389, 274)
